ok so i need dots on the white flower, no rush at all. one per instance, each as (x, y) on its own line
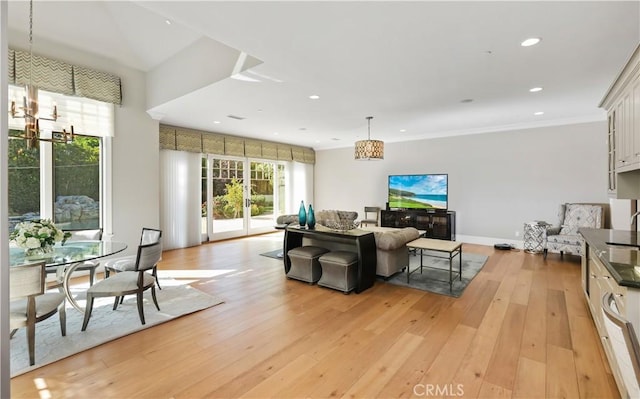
(32, 242)
(34, 234)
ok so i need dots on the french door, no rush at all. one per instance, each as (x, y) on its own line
(240, 196)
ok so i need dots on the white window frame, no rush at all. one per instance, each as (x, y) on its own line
(89, 118)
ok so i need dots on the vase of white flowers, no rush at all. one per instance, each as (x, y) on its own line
(37, 237)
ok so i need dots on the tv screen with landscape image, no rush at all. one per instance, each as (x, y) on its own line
(428, 191)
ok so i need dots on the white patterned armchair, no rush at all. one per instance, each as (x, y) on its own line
(564, 237)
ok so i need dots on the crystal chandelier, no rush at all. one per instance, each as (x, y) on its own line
(369, 149)
(30, 106)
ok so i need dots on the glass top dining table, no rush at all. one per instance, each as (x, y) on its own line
(64, 260)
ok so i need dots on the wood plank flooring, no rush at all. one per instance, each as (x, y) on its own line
(521, 329)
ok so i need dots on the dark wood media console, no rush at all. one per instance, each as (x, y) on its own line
(437, 224)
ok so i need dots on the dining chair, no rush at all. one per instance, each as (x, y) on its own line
(373, 219)
(128, 282)
(30, 304)
(127, 263)
(83, 235)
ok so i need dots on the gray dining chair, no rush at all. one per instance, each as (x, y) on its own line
(368, 219)
(83, 235)
(127, 263)
(128, 282)
(30, 304)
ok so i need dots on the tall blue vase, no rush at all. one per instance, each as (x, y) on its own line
(302, 215)
(311, 218)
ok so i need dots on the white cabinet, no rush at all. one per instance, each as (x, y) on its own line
(625, 156)
(622, 103)
(634, 138)
(598, 282)
(612, 156)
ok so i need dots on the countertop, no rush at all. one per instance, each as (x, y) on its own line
(622, 260)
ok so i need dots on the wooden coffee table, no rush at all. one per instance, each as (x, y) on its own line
(450, 248)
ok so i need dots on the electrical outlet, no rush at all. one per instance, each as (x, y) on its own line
(517, 233)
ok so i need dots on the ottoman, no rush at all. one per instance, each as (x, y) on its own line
(339, 270)
(304, 263)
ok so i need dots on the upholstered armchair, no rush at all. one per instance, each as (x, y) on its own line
(564, 237)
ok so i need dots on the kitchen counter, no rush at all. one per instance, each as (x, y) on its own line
(619, 251)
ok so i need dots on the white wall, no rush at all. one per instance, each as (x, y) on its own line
(135, 179)
(497, 181)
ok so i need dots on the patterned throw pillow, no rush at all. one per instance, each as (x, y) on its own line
(578, 215)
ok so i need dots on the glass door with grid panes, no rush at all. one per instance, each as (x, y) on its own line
(239, 196)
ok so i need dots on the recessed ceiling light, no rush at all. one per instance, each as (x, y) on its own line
(538, 113)
(166, 21)
(403, 130)
(335, 139)
(216, 122)
(302, 128)
(535, 89)
(466, 100)
(530, 41)
(314, 96)
(275, 133)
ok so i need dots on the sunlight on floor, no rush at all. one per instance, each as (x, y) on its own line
(193, 274)
(41, 385)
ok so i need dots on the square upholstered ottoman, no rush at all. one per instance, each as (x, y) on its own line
(304, 263)
(339, 270)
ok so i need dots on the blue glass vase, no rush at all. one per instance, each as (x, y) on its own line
(311, 218)
(302, 215)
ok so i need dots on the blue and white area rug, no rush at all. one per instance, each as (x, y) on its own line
(175, 299)
(435, 278)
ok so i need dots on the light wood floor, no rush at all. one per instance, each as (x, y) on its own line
(521, 330)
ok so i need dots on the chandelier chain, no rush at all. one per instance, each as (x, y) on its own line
(30, 40)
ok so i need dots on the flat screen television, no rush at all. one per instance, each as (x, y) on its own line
(427, 191)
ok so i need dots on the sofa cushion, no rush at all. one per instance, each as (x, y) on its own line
(394, 239)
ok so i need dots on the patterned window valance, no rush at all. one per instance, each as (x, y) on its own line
(59, 77)
(181, 139)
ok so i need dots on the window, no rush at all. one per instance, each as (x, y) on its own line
(62, 182)
(76, 181)
(24, 180)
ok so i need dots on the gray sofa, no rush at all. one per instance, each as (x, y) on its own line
(391, 248)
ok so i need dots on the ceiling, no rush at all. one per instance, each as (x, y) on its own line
(413, 66)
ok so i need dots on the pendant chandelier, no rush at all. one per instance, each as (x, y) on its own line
(369, 149)
(30, 106)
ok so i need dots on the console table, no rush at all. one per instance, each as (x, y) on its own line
(362, 242)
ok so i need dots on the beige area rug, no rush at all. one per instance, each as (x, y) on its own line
(175, 299)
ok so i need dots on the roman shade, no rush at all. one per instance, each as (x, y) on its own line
(192, 140)
(63, 78)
